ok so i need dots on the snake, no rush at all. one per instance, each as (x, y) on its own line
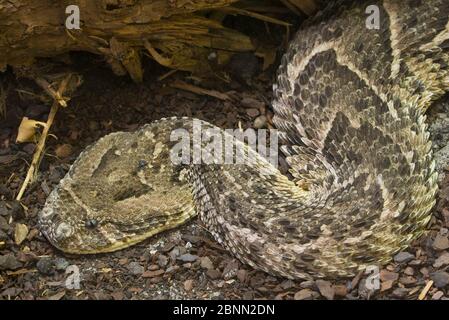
(349, 104)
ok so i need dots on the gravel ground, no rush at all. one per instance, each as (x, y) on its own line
(186, 262)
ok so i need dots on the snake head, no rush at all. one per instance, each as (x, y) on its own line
(120, 191)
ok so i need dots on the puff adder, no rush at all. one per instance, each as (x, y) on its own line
(349, 103)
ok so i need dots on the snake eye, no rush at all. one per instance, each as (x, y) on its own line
(91, 223)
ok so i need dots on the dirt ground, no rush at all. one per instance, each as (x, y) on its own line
(186, 262)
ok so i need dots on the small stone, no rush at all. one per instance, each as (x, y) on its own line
(445, 213)
(156, 273)
(407, 281)
(400, 292)
(304, 294)
(388, 275)
(20, 233)
(187, 257)
(135, 268)
(307, 284)
(242, 275)
(249, 102)
(287, 284)
(442, 260)
(17, 211)
(213, 274)
(45, 266)
(409, 271)
(3, 209)
(252, 112)
(326, 289)
(4, 225)
(3, 235)
(188, 285)
(174, 253)
(206, 263)
(403, 257)
(162, 260)
(440, 279)
(440, 243)
(424, 271)
(153, 267)
(9, 262)
(260, 122)
(61, 264)
(386, 285)
(437, 295)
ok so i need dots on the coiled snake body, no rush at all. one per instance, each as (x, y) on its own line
(349, 104)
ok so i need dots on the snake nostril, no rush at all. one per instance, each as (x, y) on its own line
(91, 223)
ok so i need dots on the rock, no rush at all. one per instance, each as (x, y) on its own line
(153, 267)
(386, 275)
(407, 280)
(187, 257)
(326, 289)
(287, 284)
(162, 260)
(213, 274)
(45, 266)
(3, 209)
(4, 225)
(152, 274)
(252, 112)
(3, 235)
(307, 284)
(174, 253)
(438, 295)
(248, 295)
(188, 285)
(260, 122)
(400, 292)
(386, 285)
(61, 264)
(249, 102)
(20, 233)
(440, 243)
(445, 214)
(9, 262)
(206, 263)
(403, 257)
(242, 275)
(440, 279)
(17, 211)
(135, 268)
(409, 271)
(304, 294)
(442, 260)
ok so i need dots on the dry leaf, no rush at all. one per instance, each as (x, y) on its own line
(20, 233)
(27, 130)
